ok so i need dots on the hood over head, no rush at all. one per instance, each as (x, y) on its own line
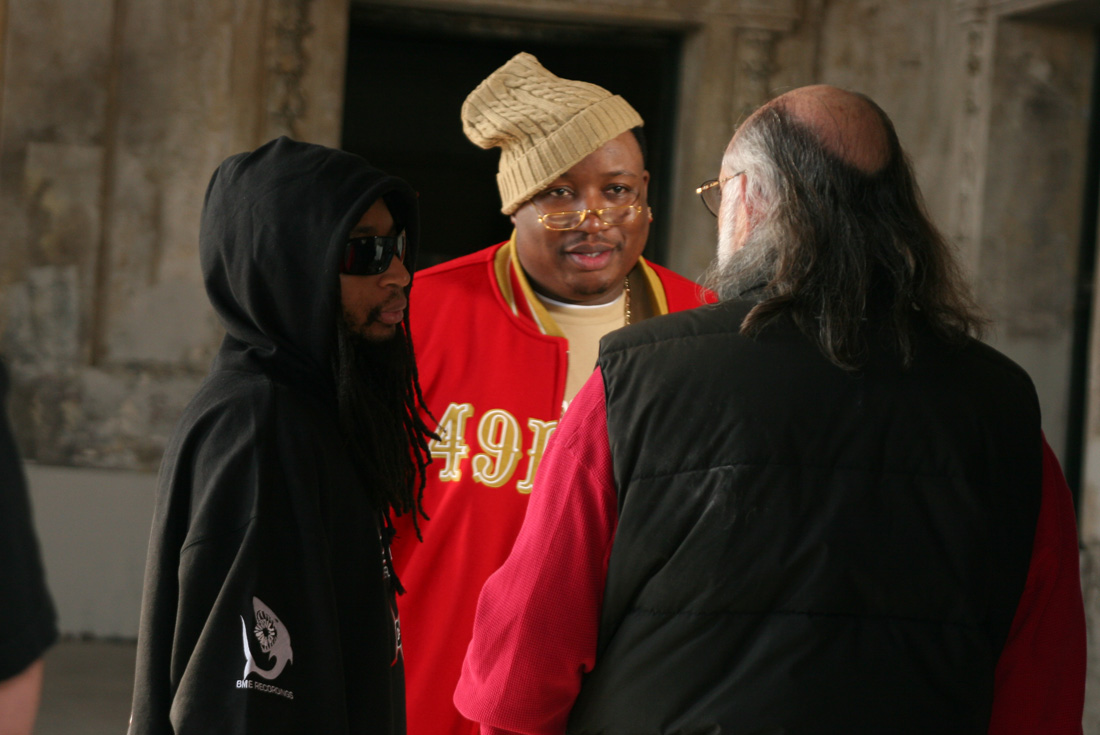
(273, 228)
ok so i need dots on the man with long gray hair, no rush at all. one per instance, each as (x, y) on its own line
(855, 525)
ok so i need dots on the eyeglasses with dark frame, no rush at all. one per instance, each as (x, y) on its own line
(610, 216)
(710, 191)
(369, 256)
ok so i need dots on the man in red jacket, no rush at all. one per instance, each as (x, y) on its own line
(507, 335)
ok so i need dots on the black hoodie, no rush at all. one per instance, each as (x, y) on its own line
(267, 608)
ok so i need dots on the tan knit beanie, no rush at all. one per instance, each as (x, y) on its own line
(543, 124)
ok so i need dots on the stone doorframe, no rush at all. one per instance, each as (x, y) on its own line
(727, 65)
(737, 54)
(980, 19)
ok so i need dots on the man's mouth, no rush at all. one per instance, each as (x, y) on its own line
(590, 257)
(392, 312)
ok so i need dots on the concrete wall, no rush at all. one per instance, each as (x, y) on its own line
(1034, 187)
(112, 118)
(113, 115)
(108, 135)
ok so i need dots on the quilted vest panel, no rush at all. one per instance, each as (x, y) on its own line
(802, 549)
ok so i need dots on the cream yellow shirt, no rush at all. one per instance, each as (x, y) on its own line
(583, 326)
(646, 299)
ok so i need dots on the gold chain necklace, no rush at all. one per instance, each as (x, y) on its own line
(626, 303)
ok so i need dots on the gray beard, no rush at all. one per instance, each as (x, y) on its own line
(733, 275)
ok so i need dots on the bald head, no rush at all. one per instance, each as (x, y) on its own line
(846, 124)
(821, 219)
(815, 154)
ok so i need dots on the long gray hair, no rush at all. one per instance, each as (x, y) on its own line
(844, 253)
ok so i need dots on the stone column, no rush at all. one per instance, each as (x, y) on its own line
(3, 45)
(727, 72)
(755, 67)
(707, 81)
(305, 46)
(1019, 209)
(972, 124)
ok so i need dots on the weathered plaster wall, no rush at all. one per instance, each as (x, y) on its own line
(113, 115)
(993, 111)
(908, 58)
(993, 107)
(1035, 180)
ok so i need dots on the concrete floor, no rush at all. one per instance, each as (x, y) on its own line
(87, 688)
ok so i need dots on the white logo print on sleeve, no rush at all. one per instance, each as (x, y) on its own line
(274, 641)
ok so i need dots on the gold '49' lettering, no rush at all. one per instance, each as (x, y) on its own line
(451, 448)
(498, 435)
(542, 431)
(500, 438)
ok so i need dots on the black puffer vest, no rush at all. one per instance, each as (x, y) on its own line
(805, 550)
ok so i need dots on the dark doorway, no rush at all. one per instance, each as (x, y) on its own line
(409, 72)
(1076, 435)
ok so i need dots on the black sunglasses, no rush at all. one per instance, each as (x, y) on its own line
(369, 256)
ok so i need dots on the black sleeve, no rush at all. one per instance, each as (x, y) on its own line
(240, 631)
(28, 623)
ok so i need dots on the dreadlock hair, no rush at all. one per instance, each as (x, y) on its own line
(848, 255)
(380, 404)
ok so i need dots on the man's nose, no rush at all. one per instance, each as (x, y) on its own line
(396, 274)
(591, 222)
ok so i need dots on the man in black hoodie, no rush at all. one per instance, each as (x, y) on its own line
(269, 594)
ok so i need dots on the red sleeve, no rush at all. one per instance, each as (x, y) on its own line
(1039, 685)
(538, 615)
